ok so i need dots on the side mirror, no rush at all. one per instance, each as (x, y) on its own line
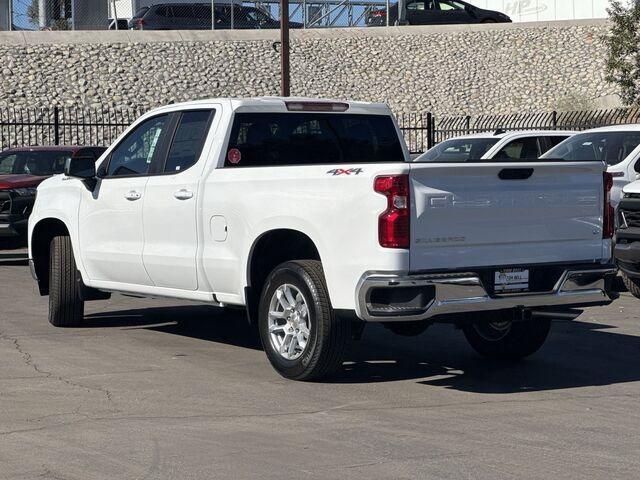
(83, 168)
(80, 167)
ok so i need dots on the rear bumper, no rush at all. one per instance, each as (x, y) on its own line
(422, 297)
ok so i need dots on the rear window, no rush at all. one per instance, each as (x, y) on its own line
(609, 147)
(458, 150)
(183, 11)
(276, 139)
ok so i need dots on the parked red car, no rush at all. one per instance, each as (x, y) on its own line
(21, 171)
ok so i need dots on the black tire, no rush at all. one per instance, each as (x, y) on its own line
(66, 309)
(328, 334)
(511, 341)
(632, 284)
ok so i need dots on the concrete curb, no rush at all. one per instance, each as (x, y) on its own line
(130, 36)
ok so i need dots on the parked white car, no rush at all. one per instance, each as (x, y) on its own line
(499, 145)
(618, 146)
(310, 214)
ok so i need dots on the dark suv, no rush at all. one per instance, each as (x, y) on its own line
(21, 171)
(436, 12)
(197, 16)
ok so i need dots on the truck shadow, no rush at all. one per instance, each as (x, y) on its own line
(196, 321)
(577, 354)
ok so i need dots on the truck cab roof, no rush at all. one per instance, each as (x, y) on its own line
(278, 104)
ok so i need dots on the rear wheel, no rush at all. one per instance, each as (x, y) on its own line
(632, 284)
(502, 338)
(301, 335)
(66, 309)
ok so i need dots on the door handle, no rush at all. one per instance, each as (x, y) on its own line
(183, 194)
(515, 173)
(133, 196)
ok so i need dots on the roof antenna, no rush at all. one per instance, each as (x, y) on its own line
(499, 131)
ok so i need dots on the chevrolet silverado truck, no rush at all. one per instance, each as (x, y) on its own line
(310, 214)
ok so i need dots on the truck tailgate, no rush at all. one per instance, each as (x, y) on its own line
(495, 214)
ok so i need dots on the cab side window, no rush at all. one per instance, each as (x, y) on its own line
(188, 140)
(134, 154)
(446, 5)
(420, 5)
(7, 163)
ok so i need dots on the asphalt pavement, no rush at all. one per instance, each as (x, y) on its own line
(159, 389)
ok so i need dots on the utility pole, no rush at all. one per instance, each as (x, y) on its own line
(285, 85)
(43, 14)
(115, 13)
(402, 13)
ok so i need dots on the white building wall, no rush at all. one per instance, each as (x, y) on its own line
(546, 10)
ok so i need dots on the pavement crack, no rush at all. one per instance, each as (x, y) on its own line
(26, 356)
(29, 361)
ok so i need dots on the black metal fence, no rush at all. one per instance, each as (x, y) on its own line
(62, 126)
(100, 127)
(443, 128)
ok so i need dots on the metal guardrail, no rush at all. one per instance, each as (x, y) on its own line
(100, 127)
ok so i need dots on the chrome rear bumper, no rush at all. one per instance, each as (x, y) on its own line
(453, 293)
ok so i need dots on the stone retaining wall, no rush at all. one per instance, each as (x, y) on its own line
(453, 70)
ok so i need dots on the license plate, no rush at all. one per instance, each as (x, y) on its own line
(512, 280)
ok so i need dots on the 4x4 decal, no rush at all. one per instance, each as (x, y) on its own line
(342, 171)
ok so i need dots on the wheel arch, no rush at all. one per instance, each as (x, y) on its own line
(43, 232)
(269, 250)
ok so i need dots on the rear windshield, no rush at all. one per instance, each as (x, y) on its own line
(609, 147)
(458, 150)
(33, 163)
(276, 139)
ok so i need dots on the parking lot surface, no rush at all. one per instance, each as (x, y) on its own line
(156, 389)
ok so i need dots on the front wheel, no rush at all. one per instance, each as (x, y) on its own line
(501, 338)
(66, 309)
(301, 335)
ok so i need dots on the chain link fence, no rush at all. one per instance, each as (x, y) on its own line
(193, 15)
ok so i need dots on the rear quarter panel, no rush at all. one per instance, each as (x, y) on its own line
(339, 212)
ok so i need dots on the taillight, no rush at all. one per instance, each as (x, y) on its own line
(140, 23)
(393, 223)
(609, 212)
(379, 13)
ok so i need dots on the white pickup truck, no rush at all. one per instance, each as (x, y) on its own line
(310, 214)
